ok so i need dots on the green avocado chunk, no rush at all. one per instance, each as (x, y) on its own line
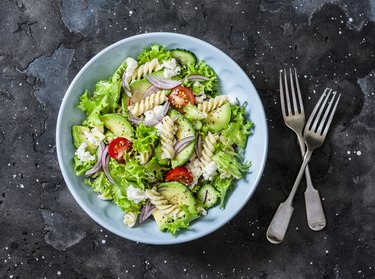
(78, 133)
(118, 125)
(219, 118)
(175, 193)
(184, 129)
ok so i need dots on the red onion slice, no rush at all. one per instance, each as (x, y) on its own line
(146, 211)
(197, 78)
(105, 160)
(98, 163)
(125, 85)
(198, 150)
(183, 143)
(162, 83)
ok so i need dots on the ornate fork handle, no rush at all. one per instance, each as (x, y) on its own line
(314, 209)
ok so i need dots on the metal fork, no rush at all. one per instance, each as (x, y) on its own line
(294, 118)
(315, 133)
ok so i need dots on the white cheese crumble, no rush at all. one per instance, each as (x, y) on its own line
(83, 154)
(195, 169)
(232, 100)
(131, 66)
(95, 137)
(149, 115)
(136, 195)
(209, 171)
(171, 68)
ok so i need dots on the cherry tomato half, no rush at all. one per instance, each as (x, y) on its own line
(180, 97)
(118, 147)
(180, 174)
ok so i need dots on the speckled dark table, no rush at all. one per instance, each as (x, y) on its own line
(45, 234)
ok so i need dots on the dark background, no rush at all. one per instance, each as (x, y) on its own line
(45, 234)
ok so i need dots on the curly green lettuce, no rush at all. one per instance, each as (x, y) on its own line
(173, 226)
(145, 138)
(222, 185)
(81, 167)
(239, 128)
(154, 51)
(104, 99)
(229, 164)
(209, 86)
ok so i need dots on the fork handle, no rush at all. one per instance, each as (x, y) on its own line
(279, 225)
(314, 208)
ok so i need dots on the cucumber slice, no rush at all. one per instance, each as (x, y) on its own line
(184, 57)
(208, 195)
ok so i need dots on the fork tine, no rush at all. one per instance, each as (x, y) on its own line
(287, 94)
(299, 93)
(293, 92)
(282, 96)
(327, 110)
(330, 118)
(307, 127)
(317, 118)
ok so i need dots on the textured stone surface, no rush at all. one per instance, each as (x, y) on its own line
(44, 233)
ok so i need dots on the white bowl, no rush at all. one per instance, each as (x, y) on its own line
(233, 81)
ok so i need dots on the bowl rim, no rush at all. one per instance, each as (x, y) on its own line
(80, 201)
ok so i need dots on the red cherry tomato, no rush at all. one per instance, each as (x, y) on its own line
(180, 174)
(118, 147)
(180, 97)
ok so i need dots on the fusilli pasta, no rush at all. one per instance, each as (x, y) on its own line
(162, 204)
(149, 103)
(167, 138)
(212, 104)
(130, 219)
(144, 69)
(208, 149)
(144, 157)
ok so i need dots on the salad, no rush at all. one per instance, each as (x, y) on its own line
(158, 140)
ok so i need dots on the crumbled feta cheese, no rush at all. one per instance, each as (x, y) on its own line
(232, 100)
(136, 195)
(95, 137)
(149, 115)
(171, 68)
(209, 171)
(84, 155)
(131, 65)
(200, 98)
(195, 169)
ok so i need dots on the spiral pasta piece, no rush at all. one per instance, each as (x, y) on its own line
(144, 69)
(167, 138)
(212, 103)
(163, 204)
(130, 219)
(208, 149)
(149, 103)
(144, 157)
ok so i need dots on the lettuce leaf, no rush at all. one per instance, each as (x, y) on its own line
(132, 172)
(238, 128)
(81, 167)
(229, 164)
(173, 226)
(101, 185)
(223, 185)
(105, 98)
(209, 86)
(154, 170)
(145, 138)
(154, 51)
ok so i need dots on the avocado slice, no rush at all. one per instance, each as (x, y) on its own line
(78, 133)
(177, 194)
(184, 57)
(139, 86)
(118, 125)
(219, 118)
(184, 129)
(159, 160)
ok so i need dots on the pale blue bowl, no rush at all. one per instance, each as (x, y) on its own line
(233, 81)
